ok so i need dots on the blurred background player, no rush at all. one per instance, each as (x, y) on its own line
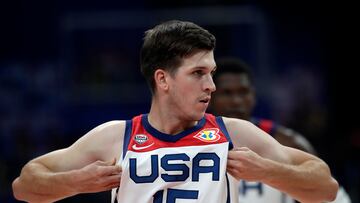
(235, 96)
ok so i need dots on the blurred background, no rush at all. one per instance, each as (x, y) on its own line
(68, 66)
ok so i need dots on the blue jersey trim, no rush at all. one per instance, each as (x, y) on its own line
(273, 129)
(127, 135)
(166, 137)
(228, 189)
(257, 122)
(222, 126)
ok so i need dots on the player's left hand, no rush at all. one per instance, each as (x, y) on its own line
(245, 164)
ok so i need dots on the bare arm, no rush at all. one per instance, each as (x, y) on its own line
(259, 157)
(86, 166)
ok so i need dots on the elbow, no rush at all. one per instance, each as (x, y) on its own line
(333, 189)
(326, 194)
(20, 193)
(327, 189)
(16, 189)
(330, 185)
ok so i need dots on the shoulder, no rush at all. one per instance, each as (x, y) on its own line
(239, 130)
(108, 133)
(235, 124)
(110, 127)
(103, 141)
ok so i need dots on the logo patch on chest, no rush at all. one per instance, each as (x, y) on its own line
(208, 135)
(141, 142)
(141, 138)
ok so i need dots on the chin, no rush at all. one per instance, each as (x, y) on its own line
(197, 116)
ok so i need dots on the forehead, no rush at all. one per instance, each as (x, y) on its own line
(203, 59)
(232, 80)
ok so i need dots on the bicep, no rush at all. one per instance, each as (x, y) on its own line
(98, 144)
(270, 148)
(296, 156)
(63, 160)
(246, 134)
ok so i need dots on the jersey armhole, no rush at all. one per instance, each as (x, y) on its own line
(127, 135)
(222, 126)
(266, 125)
(273, 129)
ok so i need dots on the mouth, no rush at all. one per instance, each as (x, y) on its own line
(205, 100)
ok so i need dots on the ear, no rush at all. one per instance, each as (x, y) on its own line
(161, 79)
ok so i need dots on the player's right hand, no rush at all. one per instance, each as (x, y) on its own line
(98, 176)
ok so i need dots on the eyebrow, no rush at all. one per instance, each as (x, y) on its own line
(204, 67)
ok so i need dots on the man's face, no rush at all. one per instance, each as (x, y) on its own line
(190, 87)
(234, 97)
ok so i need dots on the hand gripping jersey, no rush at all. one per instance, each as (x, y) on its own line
(187, 167)
(257, 192)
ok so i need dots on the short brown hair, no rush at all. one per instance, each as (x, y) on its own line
(167, 43)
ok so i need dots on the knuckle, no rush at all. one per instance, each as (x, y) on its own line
(98, 171)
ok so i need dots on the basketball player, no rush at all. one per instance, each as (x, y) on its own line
(176, 152)
(236, 97)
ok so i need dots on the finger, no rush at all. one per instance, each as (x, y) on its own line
(240, 149)
(233, 173)
(233, 164)
(112, 186)
(110, 170)
(232, 155)
(109, 187)
(117, 169)
(113, 180)
(236, 154)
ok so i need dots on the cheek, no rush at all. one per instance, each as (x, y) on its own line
(189, 89)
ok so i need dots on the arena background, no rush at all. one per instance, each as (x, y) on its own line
(67, 66)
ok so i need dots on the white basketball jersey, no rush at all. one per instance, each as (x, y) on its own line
(256, 192)
(189, 167)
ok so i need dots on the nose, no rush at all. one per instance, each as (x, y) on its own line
(209, 85)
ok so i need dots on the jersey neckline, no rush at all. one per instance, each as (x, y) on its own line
(167, 137)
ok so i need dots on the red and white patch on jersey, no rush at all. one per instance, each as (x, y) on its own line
(141, 142)
(141, 138)
(208, 135)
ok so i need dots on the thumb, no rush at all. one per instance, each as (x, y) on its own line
(111, 162)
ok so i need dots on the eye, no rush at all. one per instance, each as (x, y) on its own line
(198, 72)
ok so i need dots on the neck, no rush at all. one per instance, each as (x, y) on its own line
(166, 119)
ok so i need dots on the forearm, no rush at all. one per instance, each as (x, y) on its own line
(38, 184)
(310, 181)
